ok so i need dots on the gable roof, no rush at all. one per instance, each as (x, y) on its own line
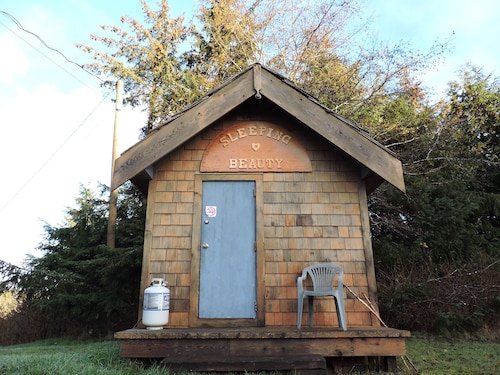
(378, 162)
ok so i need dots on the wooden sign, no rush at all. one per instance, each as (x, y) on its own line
(255, 146)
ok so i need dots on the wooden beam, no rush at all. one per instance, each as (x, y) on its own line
(268, 332)
(148, 242)
(338, 132)
(259, 81)
(223, 363)
(146, 152)
(368, 250)
(326, 347)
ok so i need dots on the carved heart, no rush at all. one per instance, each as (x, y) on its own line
(255, 146)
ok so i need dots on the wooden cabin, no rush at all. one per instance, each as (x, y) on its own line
(245, 188)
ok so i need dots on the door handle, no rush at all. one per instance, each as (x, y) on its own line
(205, 246)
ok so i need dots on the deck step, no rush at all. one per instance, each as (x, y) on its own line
(310, 364)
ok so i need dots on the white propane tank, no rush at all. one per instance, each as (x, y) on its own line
(156, 304)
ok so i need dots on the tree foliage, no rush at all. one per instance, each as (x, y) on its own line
(79, 283)
(225, 43)
(146, 58)
(438, 247)
(167, 64)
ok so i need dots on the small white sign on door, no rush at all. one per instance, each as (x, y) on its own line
(211, 211)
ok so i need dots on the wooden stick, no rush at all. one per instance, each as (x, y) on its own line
(370, 307)
(366, 305)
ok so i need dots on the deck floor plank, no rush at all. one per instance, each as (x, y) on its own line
(259, 348)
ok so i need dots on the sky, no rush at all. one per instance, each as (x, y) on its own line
(56, 126)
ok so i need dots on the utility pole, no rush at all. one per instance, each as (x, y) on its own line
(113, 196)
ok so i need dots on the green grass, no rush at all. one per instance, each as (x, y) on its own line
(434, 356)
(68, 357)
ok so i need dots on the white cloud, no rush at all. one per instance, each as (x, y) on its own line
(55, 133)
(50, 148)
(13, 61)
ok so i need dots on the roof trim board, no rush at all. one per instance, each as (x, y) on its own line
(260, 82)
(341, 134)
(146, 152)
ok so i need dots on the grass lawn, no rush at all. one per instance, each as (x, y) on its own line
(438, 356)
(68, 357)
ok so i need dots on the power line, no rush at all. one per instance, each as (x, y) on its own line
(18, 24)
(47, 57)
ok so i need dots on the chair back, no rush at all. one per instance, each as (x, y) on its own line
(323, 276)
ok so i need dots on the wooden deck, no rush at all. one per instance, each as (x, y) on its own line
(265, 348)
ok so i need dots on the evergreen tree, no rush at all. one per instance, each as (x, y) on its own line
(169, 65)
(79, 283)
(147, 59)
(442, 241)
(226, 43)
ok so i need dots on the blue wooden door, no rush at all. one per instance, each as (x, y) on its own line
(228, 286)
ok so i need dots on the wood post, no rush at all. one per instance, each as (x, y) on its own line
(113, 196)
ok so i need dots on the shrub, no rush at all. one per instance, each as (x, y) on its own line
(450, 299)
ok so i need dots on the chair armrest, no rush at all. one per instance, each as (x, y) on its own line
(300, 287)
(340, 282)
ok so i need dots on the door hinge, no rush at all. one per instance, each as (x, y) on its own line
(255, 306)
(255, 247)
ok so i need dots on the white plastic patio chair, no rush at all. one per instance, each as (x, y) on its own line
(323, 278)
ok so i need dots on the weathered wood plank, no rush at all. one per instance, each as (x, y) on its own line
(146, 152)
(345, 137)
(172, 348)
(326, 347)
(195, 252)
(269, 332)
(223, 362)
(367, 246)
(350, 140)
(259, 226)
(148, 243)
(263, 348)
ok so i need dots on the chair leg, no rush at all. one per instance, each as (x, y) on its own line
(300, 302)
(339, 305)
(311, 311)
